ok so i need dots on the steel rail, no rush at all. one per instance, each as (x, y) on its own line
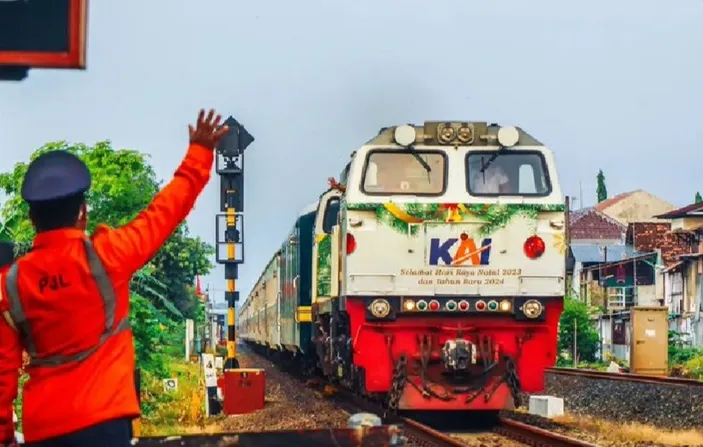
(638, 378)
(537, 437)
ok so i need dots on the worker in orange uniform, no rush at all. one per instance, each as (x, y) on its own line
(66, 302)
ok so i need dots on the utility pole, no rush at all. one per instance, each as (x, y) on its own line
(230, 168)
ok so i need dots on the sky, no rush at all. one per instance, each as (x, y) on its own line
(606, 84)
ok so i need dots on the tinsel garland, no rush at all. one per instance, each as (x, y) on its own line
(494, 216)
(324, 268)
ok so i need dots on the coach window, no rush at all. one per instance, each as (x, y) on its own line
(393, 172)
(331, 214)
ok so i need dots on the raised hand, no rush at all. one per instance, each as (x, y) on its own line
(207, 131)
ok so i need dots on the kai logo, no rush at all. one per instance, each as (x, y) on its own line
(466, 252)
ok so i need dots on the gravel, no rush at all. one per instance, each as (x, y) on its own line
(600, 439)
(664, 406)
(289, 404)
(487, 440)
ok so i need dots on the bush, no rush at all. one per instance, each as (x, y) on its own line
(587, 338)
(171, 413)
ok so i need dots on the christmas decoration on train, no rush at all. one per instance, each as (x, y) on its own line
(405, 217)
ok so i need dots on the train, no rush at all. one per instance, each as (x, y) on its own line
(430, 275)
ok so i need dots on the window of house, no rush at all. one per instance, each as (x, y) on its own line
(620, 297)
(517, 173)
(393, 172)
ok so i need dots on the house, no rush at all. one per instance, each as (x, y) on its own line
(682, 288)
(630, 276)
(590, 226)
(592, 236)
(664, 267)
(620, 283)
(587, 258)
(616, 286)
(634, 206)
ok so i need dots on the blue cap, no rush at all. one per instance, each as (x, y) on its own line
(55, 175)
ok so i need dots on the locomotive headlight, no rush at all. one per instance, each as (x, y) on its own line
(505, 305)
(409, 305)
(532, 309)
(404, 135)
(465, 134)
(508, 136)
(380, 308)
(446, 133)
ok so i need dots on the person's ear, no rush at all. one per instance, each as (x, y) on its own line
(83, 217)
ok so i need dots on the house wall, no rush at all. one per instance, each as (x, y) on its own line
(576, 279)
(639, 206)
(686, 306)
(605, 330)
(686, 223)
(647, 295)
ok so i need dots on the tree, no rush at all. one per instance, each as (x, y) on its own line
(601, 190)
(123, 185)
(576, 315)
(179, 261)
(698, 198)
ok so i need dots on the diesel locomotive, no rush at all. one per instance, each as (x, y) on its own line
(429, 276)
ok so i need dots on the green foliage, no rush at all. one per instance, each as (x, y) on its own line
(680, 352)
(684, 359)
(601, 190)
(179, 261)
(578, 314)
(698, 198)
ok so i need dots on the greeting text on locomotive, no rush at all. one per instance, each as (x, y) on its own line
(459, 277)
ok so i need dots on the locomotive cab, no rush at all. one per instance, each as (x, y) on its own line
(449, 264)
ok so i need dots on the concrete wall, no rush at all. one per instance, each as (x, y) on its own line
(647, 295)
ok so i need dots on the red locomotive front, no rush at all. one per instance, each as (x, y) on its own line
(447, 355)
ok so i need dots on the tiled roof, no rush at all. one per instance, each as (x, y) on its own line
(682, 212)
(591, 224)
(650, 236)
(607, 203)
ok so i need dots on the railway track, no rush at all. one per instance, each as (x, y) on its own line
(417, 434)
(627, 377)
(420, 435)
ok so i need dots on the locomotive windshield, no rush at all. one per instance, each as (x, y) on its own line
(398, 172)
(507, 173)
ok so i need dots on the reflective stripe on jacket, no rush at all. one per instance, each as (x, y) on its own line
(109, 299)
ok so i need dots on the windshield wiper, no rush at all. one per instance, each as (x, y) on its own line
(485, 165)
(419, 159)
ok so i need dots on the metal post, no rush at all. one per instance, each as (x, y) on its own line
(231, 279)
(575, 343)
(230, 167)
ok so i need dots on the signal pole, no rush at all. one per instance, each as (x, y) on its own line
(230, 168)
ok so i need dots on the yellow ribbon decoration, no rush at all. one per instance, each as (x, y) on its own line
(400, 214)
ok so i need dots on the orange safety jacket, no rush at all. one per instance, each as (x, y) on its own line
(66, 303)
